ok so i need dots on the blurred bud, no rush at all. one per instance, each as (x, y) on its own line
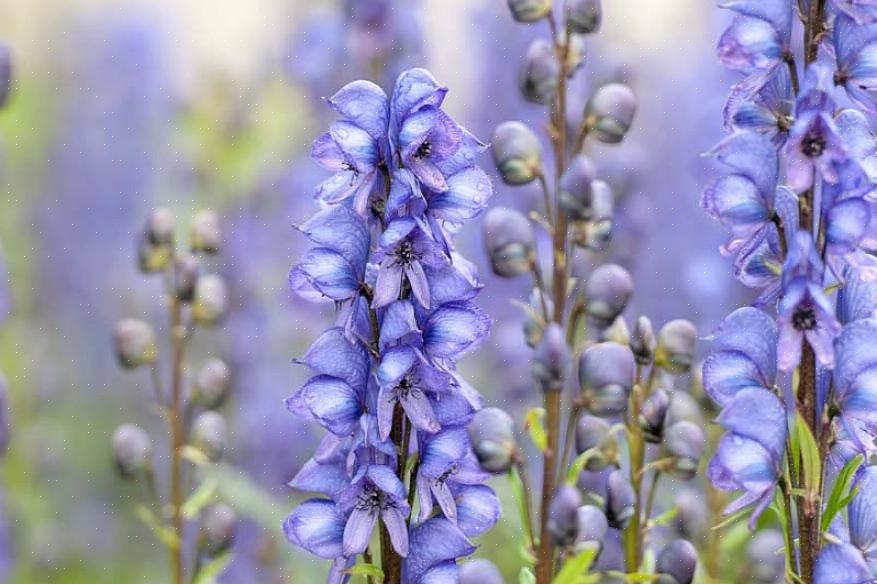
(606, 375)
(517, 153)
(210, 434)
(575, 188)
(692, 514)
(492, 434)
(206, 233)
(610, 112)
(479, 571)
(591, 529)
(218, 522)
(675, 349)
(132, 450)
(617, 332)
(134, 342)
(593, 433)
(212, 383)
(607, 292)
(684, 442)
(5, 73)
(595, 233)
(161, 227)
(583, 16)
(211, 299)
(620, 500)
(508, 235)
(683, 407)
(652, 416)
(676, 563)
(186, 270)
(594, 485)
(529, 10)
(534, 323)
(562, 514)
(766, 565)
(642, 341)
(551, 359)
(540, 72)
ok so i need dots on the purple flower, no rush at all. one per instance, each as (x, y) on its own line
(854, 45)
(759, 38)
(855, 381)
(375, 492)
(767, 111)
(855, 559)
(857, 297)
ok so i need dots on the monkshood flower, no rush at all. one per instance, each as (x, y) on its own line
(857, 298)
(862, 11)
(856, 131)
(849, 214)
(385, 381)
(855, 382)
(854, 45)
(758, 40)
(768, 111)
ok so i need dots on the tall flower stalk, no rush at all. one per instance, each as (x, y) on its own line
(797, 200)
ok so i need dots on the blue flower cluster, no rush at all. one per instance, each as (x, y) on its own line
(798, 200)
(385, 384)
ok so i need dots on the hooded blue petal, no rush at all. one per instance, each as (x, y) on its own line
(317, 527)
(454, 329)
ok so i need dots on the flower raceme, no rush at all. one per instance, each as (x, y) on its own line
(384, 384)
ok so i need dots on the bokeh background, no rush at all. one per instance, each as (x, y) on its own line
(121, 106)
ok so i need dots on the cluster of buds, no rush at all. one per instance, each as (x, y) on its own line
(194, 299)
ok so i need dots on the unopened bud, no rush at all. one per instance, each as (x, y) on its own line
(479, 571)
(206, 233)
(675, 349)
(653, 415)
(684, 443)
(517, 153)
(5, 73)
(492, 434)
(676, 563)
(591, 529)
(562, 513)
(595, 233)
(540, 72)
(186, 270)
(610, 112)
(593, 433)
(766, 565)
(692, 515)
(534, 323)
(510, 242)
(210, 434)
(529, 10)
(211, 299)
(620, 500)
(642, 341)
(583, 16)
(617, 332)
(575, 188)
(135, 343)
(161, 226)
(607, 292)
(132, 450)
(212, 383)
(552, 358)
(218, 524)
(606, 375)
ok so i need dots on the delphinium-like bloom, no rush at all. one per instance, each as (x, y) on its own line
(385, 385)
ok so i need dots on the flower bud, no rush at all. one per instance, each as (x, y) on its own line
(210, 434)
(620, 500)
(218, 524)
(492, 434)
(135, 343)
(675, 349)
(479, 571)
(562, 515)
(606, 375)
(508, 235)
(684, 407)
(642, 341)
(607, 292)
(212, 383)
(540, 72)
(517, 153)
(186, 270)
(684, 443)
(211, 299)
(583, 16)
(653, 415)
(676, 563)
(610, 112)
(529, 10)
(596, 233)
(593, 433)
(617, 332)
(534, 323)
(5, 73)
(575, 188)
(591, 529)
(692, 515)
(206, 232)
(161, 227)
(132, 450)
(766, 565)
(552, 358)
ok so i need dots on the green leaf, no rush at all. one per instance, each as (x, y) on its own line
(367, 570)
(535, 428)
(162, 532)
(525, 576)
(665, 517)
(810, 462)
(842, 491)
(579, 463)
(212, 569)
(574, 571)
(635, 577)
(523, 510)
(203, 496)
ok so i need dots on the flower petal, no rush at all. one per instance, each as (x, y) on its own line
(317, 527)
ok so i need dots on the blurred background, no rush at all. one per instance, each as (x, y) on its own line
(121, 106)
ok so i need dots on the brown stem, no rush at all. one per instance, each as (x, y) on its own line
(633, 533)
(391, 562)
(178, 339)
(808, 528)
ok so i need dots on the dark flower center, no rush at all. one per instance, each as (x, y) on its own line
(405, 387)
(405, 253)
(372, 498)
(813, 144)
(424, 150)
(804, 318)
(447, 474)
